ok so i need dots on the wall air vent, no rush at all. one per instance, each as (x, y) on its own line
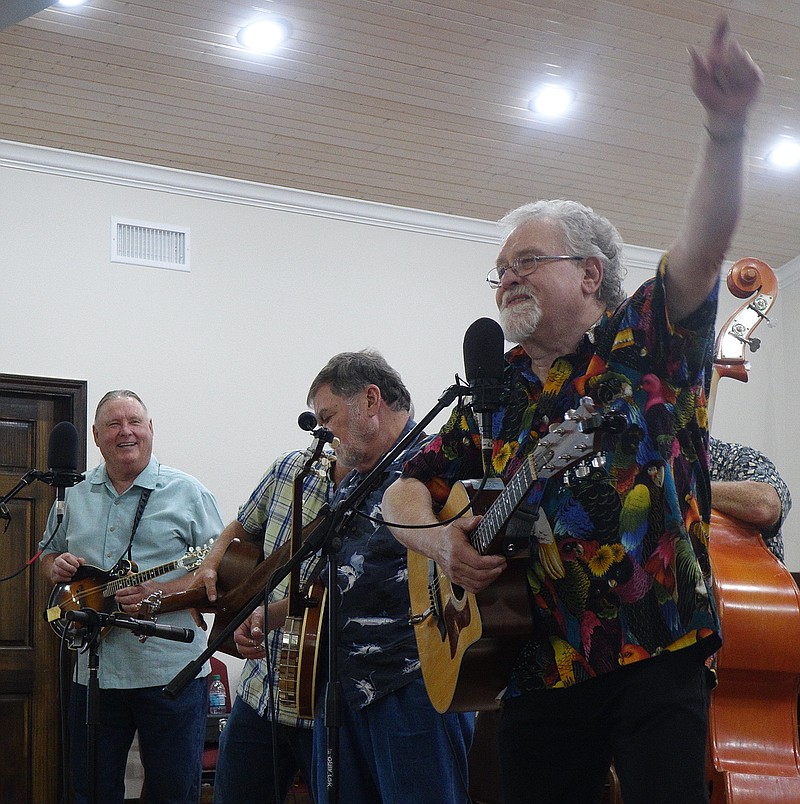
(151, 244)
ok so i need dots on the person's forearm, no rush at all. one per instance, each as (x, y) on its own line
(277, 613)
(408, 502)
(46, 564)
(233, 530)
(726, 81)
(753, 502)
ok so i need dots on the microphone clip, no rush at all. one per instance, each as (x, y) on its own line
(324, 435)
(62, 478)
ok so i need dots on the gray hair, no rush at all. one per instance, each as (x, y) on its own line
(119, 394)
(350, 372)
(587, 234)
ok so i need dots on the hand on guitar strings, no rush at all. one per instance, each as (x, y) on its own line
(249, 636)
(461, 562)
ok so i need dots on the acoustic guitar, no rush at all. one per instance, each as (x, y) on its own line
(242, 573)
(94, 588)
(467, 642)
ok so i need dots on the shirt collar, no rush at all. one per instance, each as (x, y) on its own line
(146, 479)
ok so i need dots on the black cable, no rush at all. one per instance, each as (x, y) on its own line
(436, 524)
(32, 560)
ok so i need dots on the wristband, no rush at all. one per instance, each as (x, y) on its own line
(729, 136)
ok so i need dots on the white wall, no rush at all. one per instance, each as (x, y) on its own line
(279, 282)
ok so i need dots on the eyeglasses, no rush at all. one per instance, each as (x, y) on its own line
(523, 266)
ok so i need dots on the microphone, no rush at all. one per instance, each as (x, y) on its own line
(62, 462)
(139, 627)
(307, 420)
(144, 628)
(485, 368)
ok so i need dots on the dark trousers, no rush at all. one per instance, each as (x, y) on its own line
(171, 734)
(254, 759)
(650, 719)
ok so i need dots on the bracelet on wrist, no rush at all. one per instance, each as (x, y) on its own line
(725, 137)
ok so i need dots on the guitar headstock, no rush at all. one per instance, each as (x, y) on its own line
(195, 556)
(572, 443)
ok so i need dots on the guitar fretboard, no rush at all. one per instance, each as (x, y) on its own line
(112, 587)
(500, 511)
(565, 444)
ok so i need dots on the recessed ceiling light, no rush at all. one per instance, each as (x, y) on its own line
(785, 154)
(264, 35)
(552, 100)
(69, 3)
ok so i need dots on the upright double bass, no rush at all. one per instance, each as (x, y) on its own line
(754, 756)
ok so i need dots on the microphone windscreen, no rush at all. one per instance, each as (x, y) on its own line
(483, 351)
(307, 420)
(62, 448)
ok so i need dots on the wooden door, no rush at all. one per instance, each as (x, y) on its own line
(30, 736)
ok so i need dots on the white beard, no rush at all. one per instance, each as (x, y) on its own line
(521, 321)
(354, 453)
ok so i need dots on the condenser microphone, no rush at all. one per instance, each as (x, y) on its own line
(485, 368)
(62, 462)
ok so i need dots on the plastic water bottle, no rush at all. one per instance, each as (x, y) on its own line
(217, 699)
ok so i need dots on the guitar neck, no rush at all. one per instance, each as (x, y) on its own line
(500, 511)
(112, 587)
(565, 445)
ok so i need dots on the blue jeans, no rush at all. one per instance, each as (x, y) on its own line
(171, 734)
(253, 761)
(650, 719)
(396, 750)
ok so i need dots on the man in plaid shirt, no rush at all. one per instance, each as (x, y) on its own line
(255, 730)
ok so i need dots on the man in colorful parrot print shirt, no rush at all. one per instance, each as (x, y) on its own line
(619, 579)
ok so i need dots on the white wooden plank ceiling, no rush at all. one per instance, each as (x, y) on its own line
(419, 104)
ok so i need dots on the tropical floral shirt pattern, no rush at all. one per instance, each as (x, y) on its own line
(619, 568)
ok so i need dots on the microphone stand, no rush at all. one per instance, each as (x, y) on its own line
(94, 622)
(25, 480)
(328, 537)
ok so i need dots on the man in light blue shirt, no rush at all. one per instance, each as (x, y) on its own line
(132, 507)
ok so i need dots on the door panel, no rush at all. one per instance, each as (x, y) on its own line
(30, 738)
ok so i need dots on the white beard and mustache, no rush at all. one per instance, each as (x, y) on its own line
(520, 321)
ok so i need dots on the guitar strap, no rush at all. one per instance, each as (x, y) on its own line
(143, 498)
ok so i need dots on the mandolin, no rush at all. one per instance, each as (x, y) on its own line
(94, 588)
